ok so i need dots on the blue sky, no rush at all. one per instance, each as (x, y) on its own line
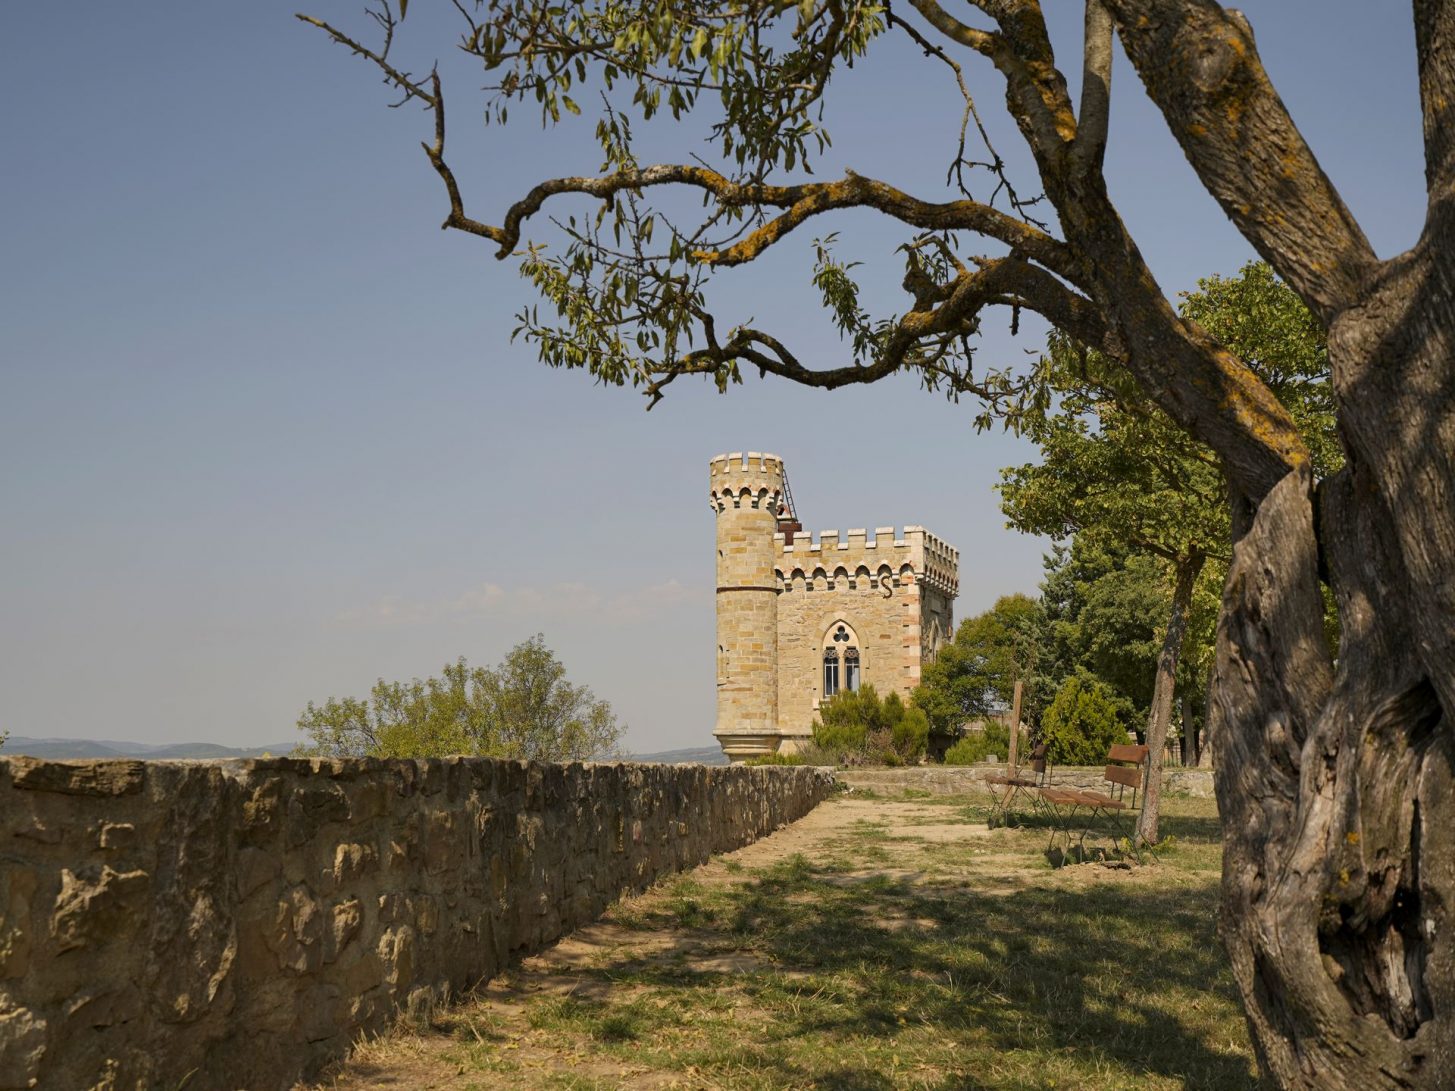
(263, 434)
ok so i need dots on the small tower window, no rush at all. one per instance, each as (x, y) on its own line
(830, 672)
(851, 668)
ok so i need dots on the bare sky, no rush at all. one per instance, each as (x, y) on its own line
(264, 437)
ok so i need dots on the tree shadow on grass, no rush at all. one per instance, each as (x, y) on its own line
(1107, 973)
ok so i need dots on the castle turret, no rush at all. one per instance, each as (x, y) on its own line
(746, 495)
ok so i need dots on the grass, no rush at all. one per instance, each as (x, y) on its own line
(880, 959)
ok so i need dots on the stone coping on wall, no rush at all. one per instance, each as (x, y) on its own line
(237, 924)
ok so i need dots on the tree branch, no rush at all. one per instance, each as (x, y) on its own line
(1008, 282)
(857, 191)
(1435, 47)
(1201, 67)
(411, 87)
(1035, 92)
(1091, 125)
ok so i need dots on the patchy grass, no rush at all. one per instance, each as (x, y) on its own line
(899, 944)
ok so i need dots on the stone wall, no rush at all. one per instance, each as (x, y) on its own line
(237, 924)
(951, 780)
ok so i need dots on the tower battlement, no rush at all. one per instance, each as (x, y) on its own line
(854, 557)
(753, 480)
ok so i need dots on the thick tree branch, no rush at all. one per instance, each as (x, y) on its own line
(800, 202)
(1201, 68)
(1435, 47)
(1091, 125)
(1035, 92)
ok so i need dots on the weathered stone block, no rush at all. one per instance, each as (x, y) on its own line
(348, 918)
(297, 933)
(22, 1045)
(93, 906)
(90, 778)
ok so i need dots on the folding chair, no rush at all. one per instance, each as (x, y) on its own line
(1024, 783)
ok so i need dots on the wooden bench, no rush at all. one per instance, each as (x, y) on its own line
(1126, 768)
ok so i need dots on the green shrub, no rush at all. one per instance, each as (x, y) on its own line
(1083, 722)
(911, 734)
(992, 738)
(859, 726)
(845, 720)
(775, 758)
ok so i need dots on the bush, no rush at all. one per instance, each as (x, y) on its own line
(993, 738)
(966, 751)
(845, 720)
(858, 726)
(811, 753)
(775, 758)
(911, 734)
(1083, 722)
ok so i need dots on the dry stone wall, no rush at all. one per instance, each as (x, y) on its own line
(966, 779)
(237, 924)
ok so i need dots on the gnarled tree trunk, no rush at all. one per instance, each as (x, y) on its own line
(1336, 782)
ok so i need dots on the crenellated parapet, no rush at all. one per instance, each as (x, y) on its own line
(854, 561)
(754, 480)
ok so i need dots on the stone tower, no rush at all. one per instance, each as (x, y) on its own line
(746, 494)
(803, 617)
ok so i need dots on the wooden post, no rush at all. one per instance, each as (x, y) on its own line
(1015, 724)
(1015, 731)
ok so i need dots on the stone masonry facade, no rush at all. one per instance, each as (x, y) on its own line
(786, 601)
(224, 925)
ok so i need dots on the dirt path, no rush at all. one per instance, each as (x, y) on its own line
(581, 966)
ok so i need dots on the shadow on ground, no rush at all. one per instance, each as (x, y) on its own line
(1107, 977)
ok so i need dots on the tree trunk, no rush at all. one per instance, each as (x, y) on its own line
(1204, 748)
(1336, 784)
(1160, 717)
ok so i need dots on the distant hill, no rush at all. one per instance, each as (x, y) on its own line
(697, 755)
(18, 745)
(63, 749)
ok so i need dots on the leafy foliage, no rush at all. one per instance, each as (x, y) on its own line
(1137, 496)
(975, 674)
(1262, 320)
(1084, 720)
(858, 726)
(992, 738)
(775, 758)
(523, 708)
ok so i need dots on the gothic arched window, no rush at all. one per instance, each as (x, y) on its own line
(830, 671)
(840, 659)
